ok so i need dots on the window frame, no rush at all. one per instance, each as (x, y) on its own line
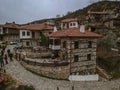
(28, 33)
(23, 33)
(76, 46)
(88, 56)
(76, 58)
(64, 44)
(89, 44)
(27, 43)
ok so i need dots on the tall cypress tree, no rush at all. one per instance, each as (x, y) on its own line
(44, 40)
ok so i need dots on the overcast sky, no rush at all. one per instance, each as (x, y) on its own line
(24, 11)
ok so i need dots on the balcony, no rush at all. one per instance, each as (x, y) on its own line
(55, 47)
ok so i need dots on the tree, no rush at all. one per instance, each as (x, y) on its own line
(108, 41)
(44, 40)
(58, 16)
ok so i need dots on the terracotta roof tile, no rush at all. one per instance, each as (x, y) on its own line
(69, 20)
(42, 26)
(1, 25)
(11, 25)
(74, 32)
(98, 13)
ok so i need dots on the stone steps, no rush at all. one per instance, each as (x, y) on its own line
(103, 73)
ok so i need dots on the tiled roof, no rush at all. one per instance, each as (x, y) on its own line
(98, 13)
(42, 26)
(69, 20)
(74, 32)
(11, 25)
(1, 25)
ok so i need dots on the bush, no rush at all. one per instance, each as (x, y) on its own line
(116, 75)
(111, 65)
(25, 87)
(3, 86)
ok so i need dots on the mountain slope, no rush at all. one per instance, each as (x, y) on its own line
(98, 6)
(81, 13)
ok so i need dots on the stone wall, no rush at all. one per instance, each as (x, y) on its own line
(61, 72)
(9, 38)
(82, 51)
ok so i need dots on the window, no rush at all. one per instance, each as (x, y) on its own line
(90, 44)
(70, 24)
(89, 57)
(67, 25)
(57, 41)
(23, 33)
(27, 43)
(51, 41)
(76, 44)
(40, 33)
(33, 34)
(28, 33)
(64, 44)
(76, 58)
(74, 24)
(63, 24)
(50, 32)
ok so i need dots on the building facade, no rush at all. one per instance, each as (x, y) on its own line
(69, 23)
(9, 32)
(78, 47)
(30, 35)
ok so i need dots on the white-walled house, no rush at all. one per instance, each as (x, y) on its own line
(30, 35)
(25, 34)
(69, 23)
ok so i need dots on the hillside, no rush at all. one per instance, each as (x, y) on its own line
(98, 6)
(81, 13)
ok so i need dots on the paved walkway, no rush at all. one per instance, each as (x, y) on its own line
(40, 83)
(21, 74)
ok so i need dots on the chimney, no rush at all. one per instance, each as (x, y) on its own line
(55, 29)
(13, 22)
(82, 28)
(89, 29)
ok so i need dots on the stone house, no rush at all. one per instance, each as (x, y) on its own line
(78, 47)
(50, 22)
(30, 35)
(97, 16)
(9, 32)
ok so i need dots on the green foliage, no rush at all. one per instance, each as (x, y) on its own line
(95, 5)
(116, 75)
(108, 41)
(44, 40)
(111, 65)
(3, 45)
(3, 86)
(25, 87)
(106, 64)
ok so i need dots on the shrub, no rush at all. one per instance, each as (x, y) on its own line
(25, 87)
(3, 86)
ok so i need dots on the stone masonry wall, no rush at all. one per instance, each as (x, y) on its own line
(61, 72)
(82, 51)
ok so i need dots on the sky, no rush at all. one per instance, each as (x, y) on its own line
(24, 11)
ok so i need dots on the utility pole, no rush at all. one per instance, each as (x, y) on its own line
(70, 54)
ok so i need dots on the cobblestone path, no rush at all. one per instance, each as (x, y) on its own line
(40, 83)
